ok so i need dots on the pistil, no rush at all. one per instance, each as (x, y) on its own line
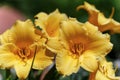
(76, 48)
(24, 53)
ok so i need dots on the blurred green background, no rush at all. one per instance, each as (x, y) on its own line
(31, 7)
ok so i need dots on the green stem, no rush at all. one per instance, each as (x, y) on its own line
(32, 62)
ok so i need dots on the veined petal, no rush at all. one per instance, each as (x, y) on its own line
(70, 31)
(108, 24)
(98, 43)
(100, 47)
(93, 33)
(89, 61)
(7, 58)
(26, 33)
(81, 32)
(65, 61)
(43, 58)
(23, 68)
(4, 37)
(54, 45)
(51, 23)
(84, 33)
(25, 30)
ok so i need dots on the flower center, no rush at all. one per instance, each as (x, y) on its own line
(25, 53)
(76, 48)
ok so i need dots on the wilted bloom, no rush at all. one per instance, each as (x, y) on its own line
(98, 19)
(105, 71)
(20, 47)
(79, 45)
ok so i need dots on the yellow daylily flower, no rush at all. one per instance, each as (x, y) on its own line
(81, 45)
(20, 46)
(105, 71)
(98, 19)
(50, 26)
(50, 23)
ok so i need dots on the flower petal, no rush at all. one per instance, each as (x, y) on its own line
(101, 47)
(54, 45)
(7, 58)
(23, 68)
(100, 76)
(66, 64)
(40, 19)
(98, 19)
(89, 61)
(98, 43)
(72, 28)
(4, 37)
(93, 12)
(43, 58)
(25, 30)
(108, 24)
(51, 23)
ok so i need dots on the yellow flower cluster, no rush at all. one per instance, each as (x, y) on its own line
(55, 36)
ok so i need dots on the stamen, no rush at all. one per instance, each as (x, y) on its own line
(80, 7)
(24, 53)
(112, 13)
(76, 48)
